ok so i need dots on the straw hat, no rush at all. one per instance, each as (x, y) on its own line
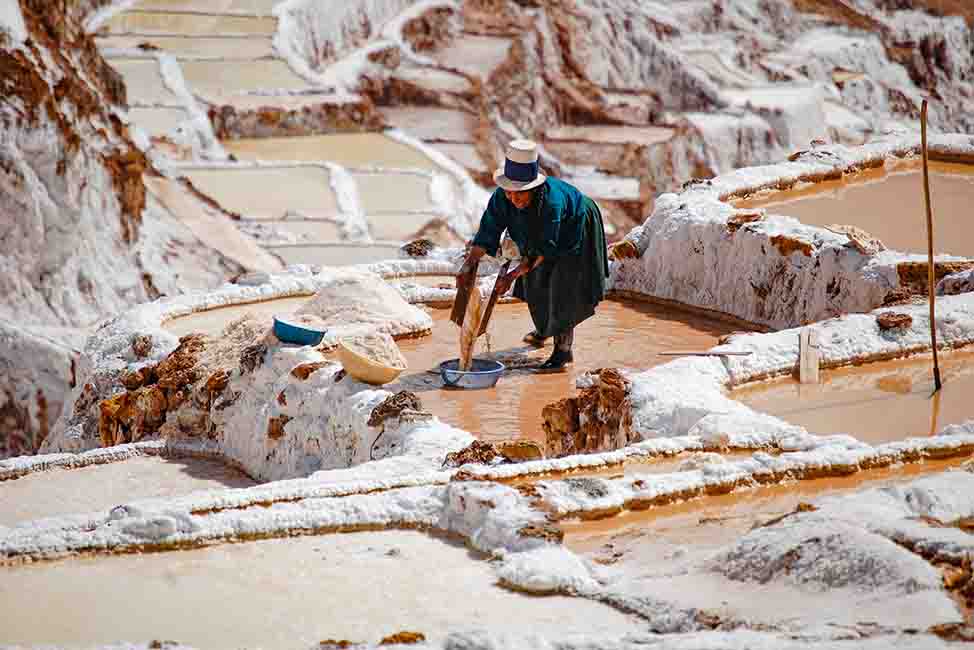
(520, 171)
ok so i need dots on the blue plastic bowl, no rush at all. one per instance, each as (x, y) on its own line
(297, 334)
(483, 373)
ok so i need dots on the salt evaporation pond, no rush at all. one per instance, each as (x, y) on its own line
(230, 47)
(144, 82)
(98, 488)
(664, 551)
(188, 23)
(888, 204)
(877, 402)
(213, 77)
(621, 334)
(707, 523)
(347, 149)
(268, 192)
(284, 593)
(213, 321)
(394, 193)
(257, 7)
(158, 122)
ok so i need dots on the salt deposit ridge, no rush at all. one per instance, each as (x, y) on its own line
(180, 439)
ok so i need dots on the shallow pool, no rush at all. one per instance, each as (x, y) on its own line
(99, 488)
(621, 334)
(284, 593)
(888, 204)
(877, 402)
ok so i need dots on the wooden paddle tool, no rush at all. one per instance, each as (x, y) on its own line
(472, 314)
(463, 295)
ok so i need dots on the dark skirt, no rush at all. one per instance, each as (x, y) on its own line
(562, 292)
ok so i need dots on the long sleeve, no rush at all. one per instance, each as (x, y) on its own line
(492, 226)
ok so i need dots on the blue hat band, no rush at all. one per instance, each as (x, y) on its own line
(520, 172)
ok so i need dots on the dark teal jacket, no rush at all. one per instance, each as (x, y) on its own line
(551, 226)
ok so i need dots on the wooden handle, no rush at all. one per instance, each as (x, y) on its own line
(931, 275)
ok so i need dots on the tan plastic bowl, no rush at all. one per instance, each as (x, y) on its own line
(365, 369)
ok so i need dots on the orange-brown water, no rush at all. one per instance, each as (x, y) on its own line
(621, 334)
(256, 7)
(214, 77)
(877, 402)
(889, 205)
(269, 192)
(283, 593)
(213, 321)
(235, 47)
(714, 521)
(348, 149)
(144, 82)
(161, 22)
(100, 487)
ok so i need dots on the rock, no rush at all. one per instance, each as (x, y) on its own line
(252, 357)
(179, 368)
(520, 451)
(859, 239)
(787, 245)
(389, 57)
(217, 382)
(141, 345)
(560, 419)
(547, 532)
(305, 370)
(252, 279)
(898, 296)
(478, 452)
(624, 250)
(742, 217)
(890, 321)
(418, 248)
(134, 379)
(275, 427)
(340, 644)
(86, 399)
(403, 638)
(394, 407)
(956, 577)
(956, 283)
(593, 488)
(597, 420)
(130, 416)
(700, 460)
(913, 275)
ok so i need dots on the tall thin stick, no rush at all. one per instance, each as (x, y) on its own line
(930, 268)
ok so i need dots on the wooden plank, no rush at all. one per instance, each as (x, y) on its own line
(494, 297)
(808, 358)
(463, 296)
(931, 270)
(470, 328)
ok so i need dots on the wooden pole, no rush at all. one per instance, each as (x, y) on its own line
(932, 289)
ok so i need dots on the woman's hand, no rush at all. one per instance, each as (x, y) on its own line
(504, 282)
